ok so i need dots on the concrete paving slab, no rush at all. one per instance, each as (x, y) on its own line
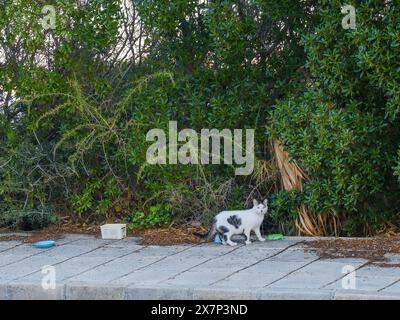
(197, 278)
(277, 267)
(304, 281)
(372, 270)
(116, 269)
(140, 258)
(257, 277)
(295, 255)
(393, 287)
(246, 281)
(7, 245)
(145, 277)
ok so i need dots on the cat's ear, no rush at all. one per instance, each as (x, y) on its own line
(265, 202)
(255, 202)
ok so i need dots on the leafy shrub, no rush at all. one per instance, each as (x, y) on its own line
(27, 220)
(27, 178)
(283, 209)
(344, 129)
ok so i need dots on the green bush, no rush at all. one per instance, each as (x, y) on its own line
(283, 209)
(159, 216)
(344, 129)
(217, 64)
(27, 220)
(28, 178)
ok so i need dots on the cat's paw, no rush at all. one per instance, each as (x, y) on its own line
(232, 244)
(248, 242)
(262, 239)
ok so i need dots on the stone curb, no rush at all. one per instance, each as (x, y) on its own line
(108, 292)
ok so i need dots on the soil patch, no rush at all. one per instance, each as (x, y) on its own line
(371, 249)
(170, 236)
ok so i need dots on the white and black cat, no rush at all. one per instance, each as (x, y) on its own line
(229, 223)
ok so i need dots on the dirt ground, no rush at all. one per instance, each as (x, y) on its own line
(371, 249)
(169, 236)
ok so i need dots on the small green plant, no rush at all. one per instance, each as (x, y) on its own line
(158, 216)
(83, 201)
(97, 196)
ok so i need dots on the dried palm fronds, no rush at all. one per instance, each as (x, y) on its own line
(291, 174)
(292, 177)
(390, 229)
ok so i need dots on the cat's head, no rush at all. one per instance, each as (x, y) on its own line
(260, 208)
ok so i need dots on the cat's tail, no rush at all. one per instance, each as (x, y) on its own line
(211, 233)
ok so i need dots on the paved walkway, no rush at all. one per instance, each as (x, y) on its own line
(91, 268)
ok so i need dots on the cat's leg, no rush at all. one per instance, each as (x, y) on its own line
(223, 234)
(223, 238)
(258, 234)
(247, 235)
(228, 239)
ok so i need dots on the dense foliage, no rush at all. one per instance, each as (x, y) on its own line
(344, 129)
(77, 102)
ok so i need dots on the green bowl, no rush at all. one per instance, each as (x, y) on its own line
(274, 237)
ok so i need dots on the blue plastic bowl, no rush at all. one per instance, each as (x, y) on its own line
(44, 244)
